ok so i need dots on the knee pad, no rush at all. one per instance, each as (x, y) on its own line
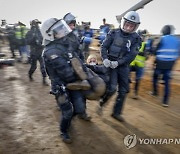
(68, 113)
(66, 106)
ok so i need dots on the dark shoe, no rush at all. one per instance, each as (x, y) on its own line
(30, 78)
(66, 138)
(118, 117)
(85, 117)
(79, 85)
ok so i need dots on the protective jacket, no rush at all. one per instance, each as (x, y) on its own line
(167, 52)
(120, 46)
(140, 59)
(34, 39)
(75, 40)
(57, 62)
(20, 34)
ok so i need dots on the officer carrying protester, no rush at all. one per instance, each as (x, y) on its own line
(118, 50)
(64, 70)
(34, 39)
(76, 43)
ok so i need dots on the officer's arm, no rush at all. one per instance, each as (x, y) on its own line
(106, 44)
(129, 57)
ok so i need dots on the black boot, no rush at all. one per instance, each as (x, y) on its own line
(66, 138)
(118, 117)
(30, 77)
(85, 117)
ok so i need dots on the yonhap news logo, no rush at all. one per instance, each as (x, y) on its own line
(130, 141)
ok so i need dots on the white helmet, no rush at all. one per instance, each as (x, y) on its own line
(53, 29)
(69, 18)
(131, 17)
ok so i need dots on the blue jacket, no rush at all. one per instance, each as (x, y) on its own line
(167, 52)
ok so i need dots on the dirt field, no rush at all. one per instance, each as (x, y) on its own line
(29, 119)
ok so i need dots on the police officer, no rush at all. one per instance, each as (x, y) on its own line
(58, 57)
(118, 50)
(167, 52)
(11, 39)
(76, 38)
(34, 39)
(83, 37)
(76, 42)
(20, 35)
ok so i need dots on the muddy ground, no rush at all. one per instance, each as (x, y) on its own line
(29, 119)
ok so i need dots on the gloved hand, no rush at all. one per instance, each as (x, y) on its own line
(106, 63)
(113, 64)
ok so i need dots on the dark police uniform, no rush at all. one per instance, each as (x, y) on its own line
(34, 39)
(123, 48)
(60, 72)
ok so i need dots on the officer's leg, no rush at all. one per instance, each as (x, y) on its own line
(111, 87)
(43, 70)
(33, 67)
(155, 82)
(79, 103)
(12, 50)
(119, 101)
(166, 76)
(123, 89)
(67, 113)
(77, 100)
(84, 115)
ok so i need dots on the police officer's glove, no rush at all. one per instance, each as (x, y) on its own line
(106, 63)
(113, 64)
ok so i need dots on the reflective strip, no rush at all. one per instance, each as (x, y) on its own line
(142, 61)
(167, 50)
(167, 56)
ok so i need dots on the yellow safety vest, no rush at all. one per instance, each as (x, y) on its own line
(139, 60)
(20, 32)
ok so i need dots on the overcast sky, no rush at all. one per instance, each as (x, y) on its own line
(154, 15)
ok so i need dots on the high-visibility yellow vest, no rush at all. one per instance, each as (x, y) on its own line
(20, 32)
(139, 60)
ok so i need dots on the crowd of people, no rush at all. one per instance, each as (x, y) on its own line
(76, 75)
